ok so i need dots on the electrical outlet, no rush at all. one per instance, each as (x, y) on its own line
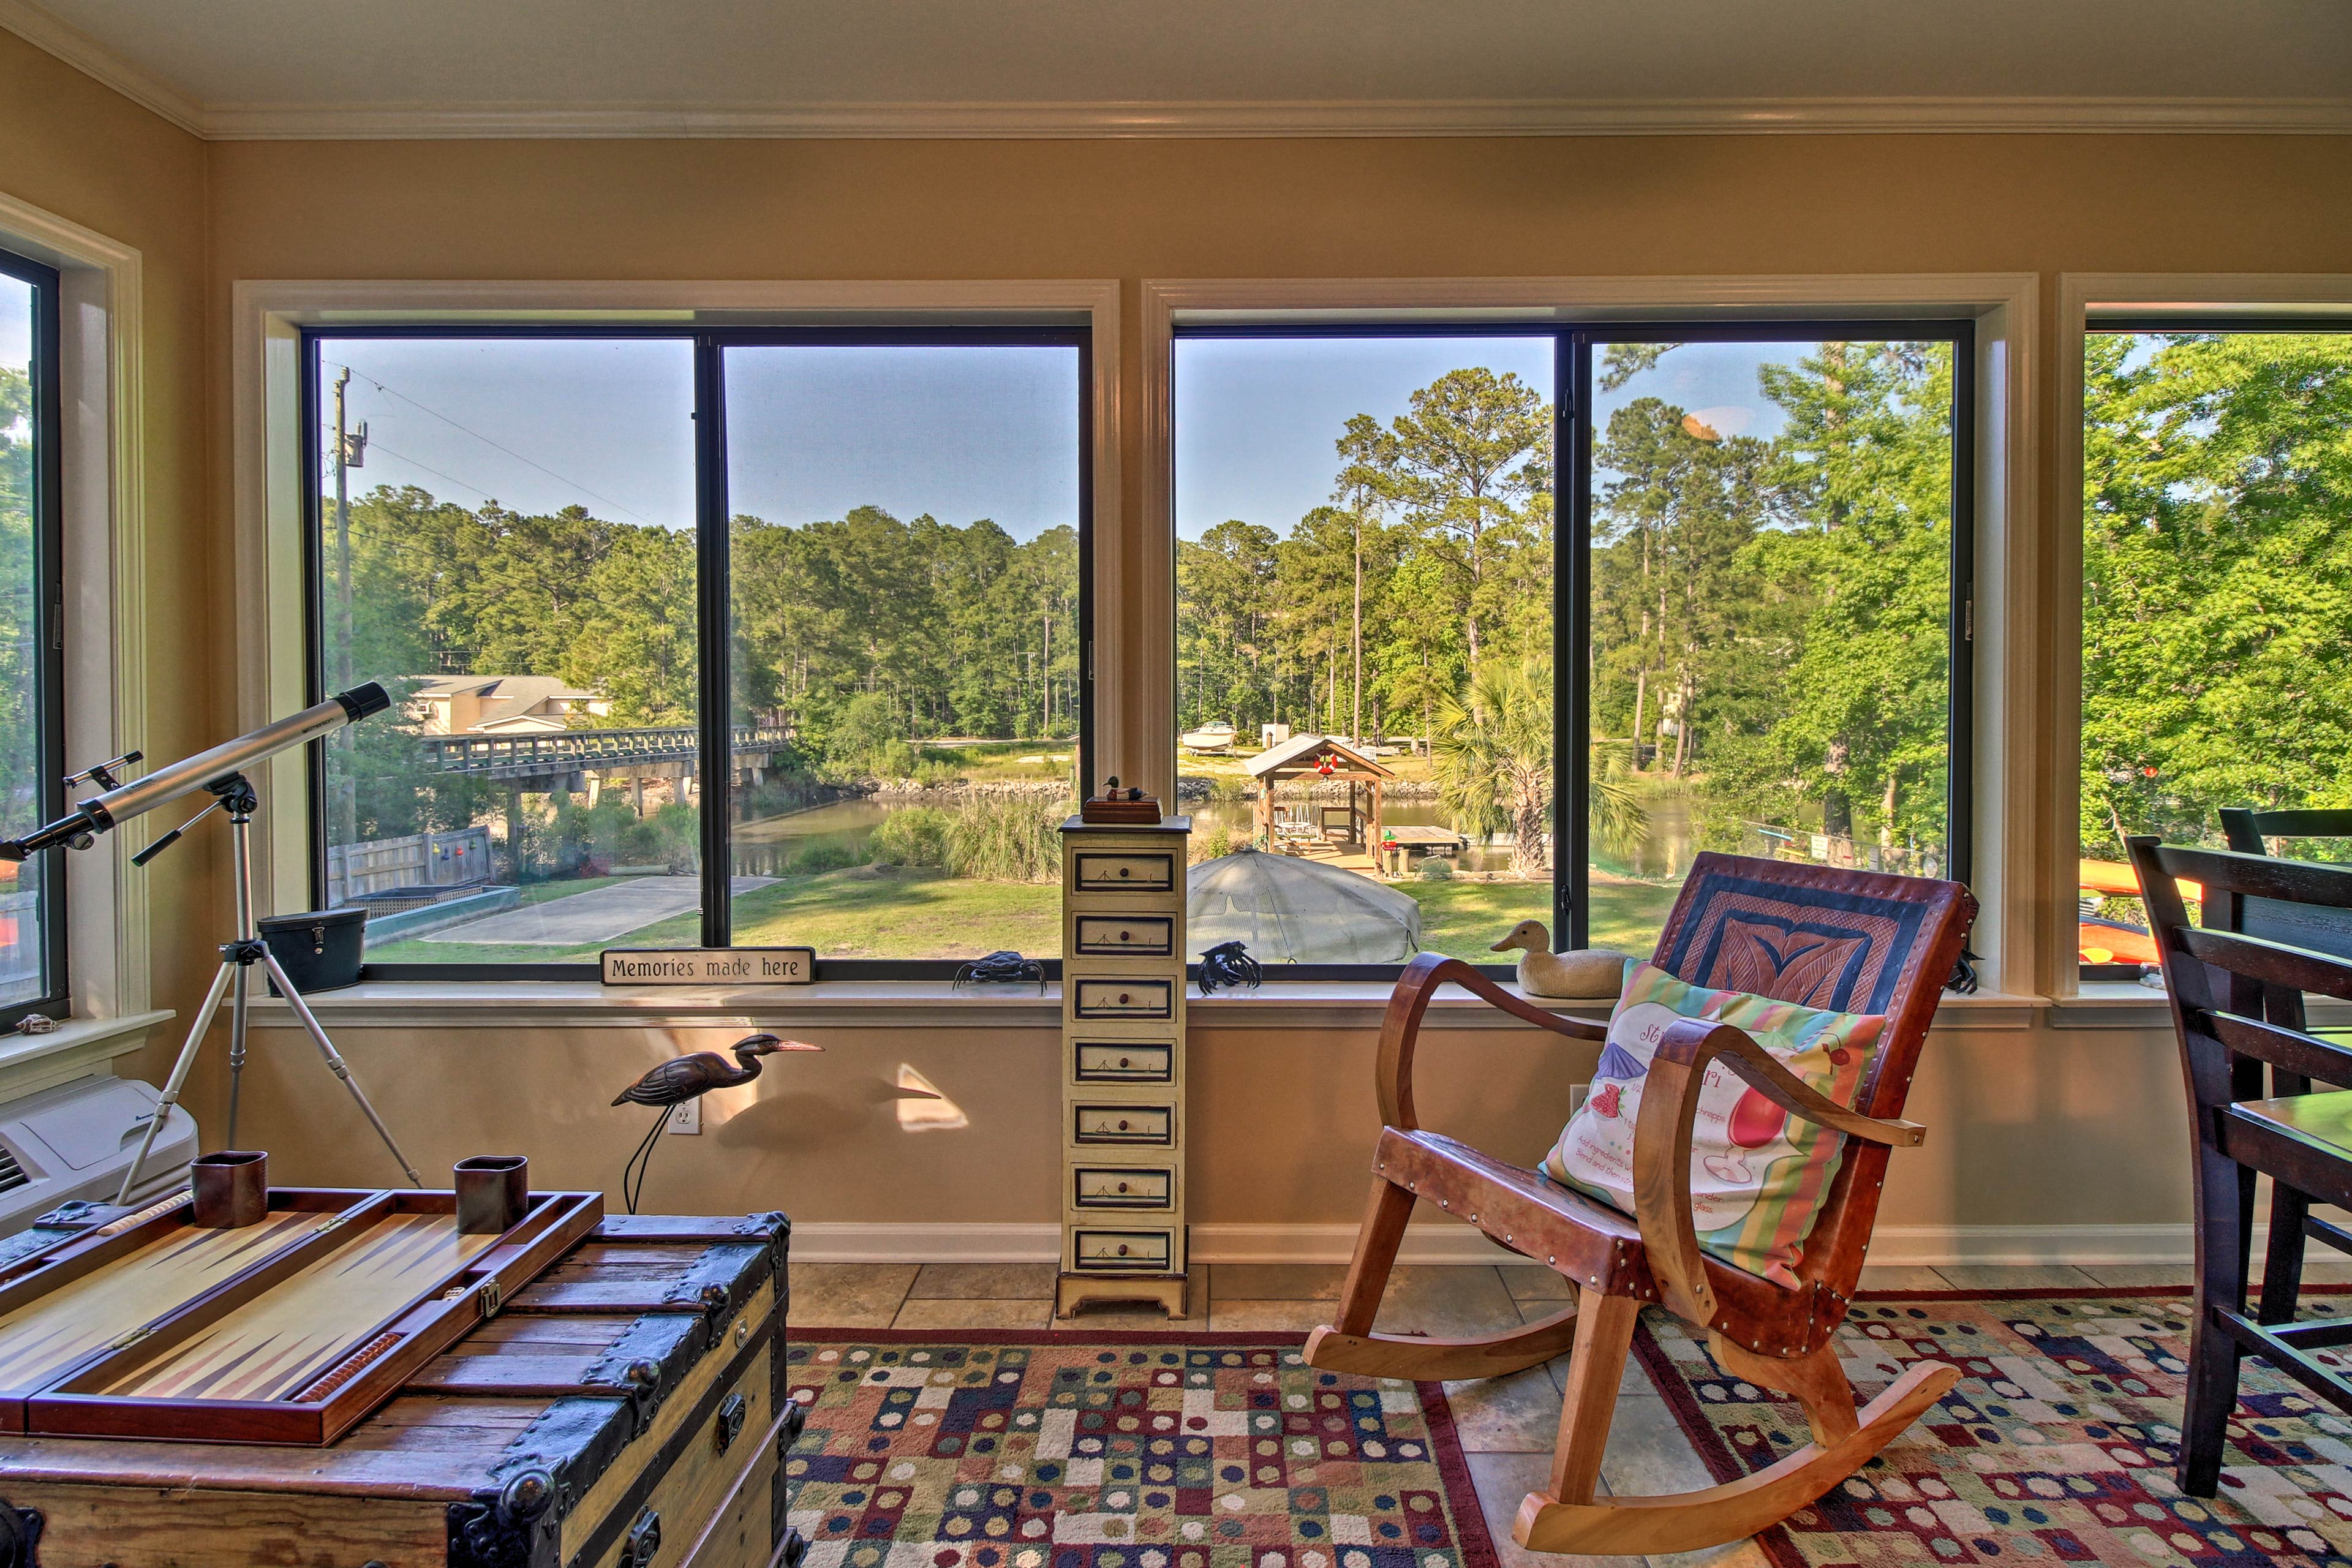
(685, 1119)
(1576, 1093)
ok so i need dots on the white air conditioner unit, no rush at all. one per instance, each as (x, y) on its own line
(75, 1142)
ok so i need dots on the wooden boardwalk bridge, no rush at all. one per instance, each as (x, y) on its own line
(560, 759)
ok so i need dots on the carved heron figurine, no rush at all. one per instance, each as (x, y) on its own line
(688, 1077)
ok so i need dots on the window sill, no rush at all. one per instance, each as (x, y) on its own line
(2128, 1005)
(76, 1048)
(918, 1003)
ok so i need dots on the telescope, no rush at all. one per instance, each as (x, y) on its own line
(80, 826)
(221, 773)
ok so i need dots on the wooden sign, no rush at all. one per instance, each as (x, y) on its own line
(709, 966)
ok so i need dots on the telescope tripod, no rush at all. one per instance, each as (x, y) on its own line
(235, 795)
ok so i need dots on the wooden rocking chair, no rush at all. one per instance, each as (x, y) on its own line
(1848, 940)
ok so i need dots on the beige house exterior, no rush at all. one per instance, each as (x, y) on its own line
(502, 704)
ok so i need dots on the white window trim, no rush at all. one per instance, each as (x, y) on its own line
(2283, 294)
(510, 1005)
(102, 448)
(2013, 741)
(267, 319)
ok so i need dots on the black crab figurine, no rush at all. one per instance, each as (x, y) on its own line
(1229, 966)
(1001, 967)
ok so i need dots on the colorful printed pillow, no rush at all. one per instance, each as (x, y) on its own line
(1758, 1174)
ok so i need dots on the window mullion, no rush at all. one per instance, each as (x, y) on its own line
(713, 666)
(1572, 639)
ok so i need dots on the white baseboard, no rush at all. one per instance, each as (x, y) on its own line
(824, 1241)
(2017, 1244)
(1916, 1245)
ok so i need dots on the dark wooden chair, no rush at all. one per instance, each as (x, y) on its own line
(2237, 1005)
(2249, 830)
(1850, 940)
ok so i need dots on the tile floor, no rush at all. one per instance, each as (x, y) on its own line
(1506, 1425)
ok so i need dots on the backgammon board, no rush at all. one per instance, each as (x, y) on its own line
(623, 1409)
(287, 1327)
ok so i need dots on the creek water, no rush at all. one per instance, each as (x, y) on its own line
(763, 847)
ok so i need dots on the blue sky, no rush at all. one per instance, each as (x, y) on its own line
(16, 322)
(959, 433)
(1256, 419)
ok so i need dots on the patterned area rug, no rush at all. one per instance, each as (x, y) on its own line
(2057, 1446)
(1011, 1449)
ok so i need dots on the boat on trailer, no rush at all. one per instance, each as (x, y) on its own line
(1216, 737)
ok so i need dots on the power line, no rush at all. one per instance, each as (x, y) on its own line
(436, 473)
(486, 441)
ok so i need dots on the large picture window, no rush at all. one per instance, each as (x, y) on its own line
(837, 572)
(32, 894)
(2217, 587)
(1478, 626)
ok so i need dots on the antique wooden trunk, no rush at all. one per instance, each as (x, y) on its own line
(623, 1409)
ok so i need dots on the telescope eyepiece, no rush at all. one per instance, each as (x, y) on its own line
(361, 701)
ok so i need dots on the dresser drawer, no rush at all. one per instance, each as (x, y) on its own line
(1122, 1187)
(1121, 1251)
(1143, 936)
(1123, 997)
(1146, 871)
(1150, 1125)
(1115, 1061)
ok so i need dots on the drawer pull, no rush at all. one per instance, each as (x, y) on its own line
(732, 1411)
(644, 1543)
(1122, 1186)
(1125, 936)
(1122, 1061)
(1122, 1127)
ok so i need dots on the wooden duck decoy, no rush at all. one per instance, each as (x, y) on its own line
(686, 1077)
(1588, 973)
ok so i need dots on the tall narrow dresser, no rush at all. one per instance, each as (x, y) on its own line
(1123, 1063)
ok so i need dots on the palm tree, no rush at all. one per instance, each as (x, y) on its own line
(1492, 762)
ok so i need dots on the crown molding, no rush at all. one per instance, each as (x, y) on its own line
(1173, 121)
(1035, 122)
(86, 55)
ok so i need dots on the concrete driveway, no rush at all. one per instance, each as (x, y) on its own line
(600, 914)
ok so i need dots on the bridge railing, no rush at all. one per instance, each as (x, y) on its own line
(562, 750)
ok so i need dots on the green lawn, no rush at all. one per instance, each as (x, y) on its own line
(998, 760)
(901, 913)
(1463, 919)
(865, 912)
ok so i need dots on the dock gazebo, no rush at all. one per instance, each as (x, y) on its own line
(1318, 758)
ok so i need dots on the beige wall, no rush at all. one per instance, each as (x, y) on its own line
(84, 154)
(2033, 1124)
(2028, 1127)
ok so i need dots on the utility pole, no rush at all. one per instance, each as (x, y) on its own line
(343, 535)
(346, 791)
(1045, 669)
(1356, 721)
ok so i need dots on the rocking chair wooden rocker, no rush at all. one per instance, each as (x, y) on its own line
(1848, 940)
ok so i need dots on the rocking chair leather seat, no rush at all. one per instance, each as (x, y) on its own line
(1848, 941)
